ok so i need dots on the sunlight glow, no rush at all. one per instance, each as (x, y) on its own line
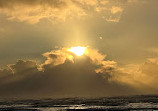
(78, 50)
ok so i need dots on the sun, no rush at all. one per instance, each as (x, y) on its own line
(78, 50)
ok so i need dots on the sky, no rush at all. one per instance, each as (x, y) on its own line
(120, 37)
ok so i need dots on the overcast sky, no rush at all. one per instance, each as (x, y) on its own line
(121, 36)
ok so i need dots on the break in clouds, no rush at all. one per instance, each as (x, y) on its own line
(32, 11)
(63, 74)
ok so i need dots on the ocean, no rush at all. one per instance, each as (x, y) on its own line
(121, 103)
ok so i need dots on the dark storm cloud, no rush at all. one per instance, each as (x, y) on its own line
(64, 74)
(23, 66)
(71, 78)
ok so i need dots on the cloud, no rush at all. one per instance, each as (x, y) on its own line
(33, 11)
(22, 67)
(65, 74)
(137, 1)
(58, 57)
(141, 76)
(116, 9)
(61, 76)
(116, 12)
(58, 10)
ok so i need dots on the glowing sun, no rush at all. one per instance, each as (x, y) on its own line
(78, 50)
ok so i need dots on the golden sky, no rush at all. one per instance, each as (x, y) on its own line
(107, 46)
